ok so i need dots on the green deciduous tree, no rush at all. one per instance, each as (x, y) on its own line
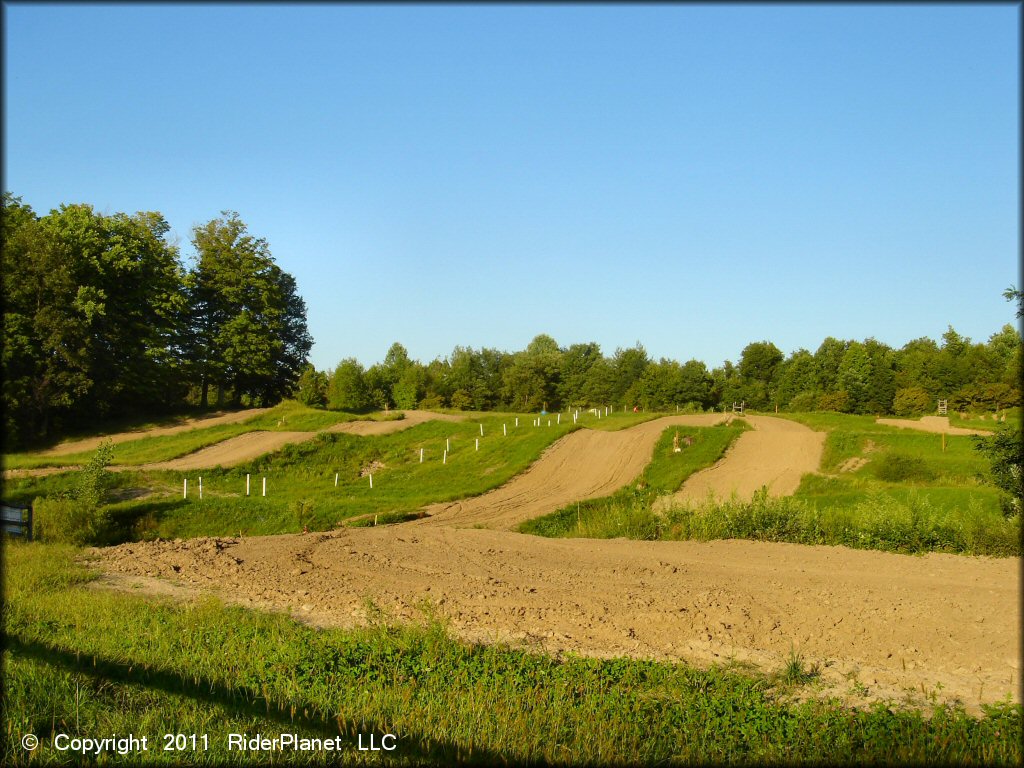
(246, 323)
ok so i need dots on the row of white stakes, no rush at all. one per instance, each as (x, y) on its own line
(444, 458)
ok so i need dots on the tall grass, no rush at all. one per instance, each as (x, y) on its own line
(89, 662)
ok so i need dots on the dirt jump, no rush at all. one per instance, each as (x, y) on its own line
(879, 626)
(585, 464)
(935, 424)
(775, 454)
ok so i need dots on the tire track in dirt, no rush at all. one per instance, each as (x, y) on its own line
(584, 464)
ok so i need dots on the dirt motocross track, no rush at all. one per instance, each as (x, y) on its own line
(879, 625)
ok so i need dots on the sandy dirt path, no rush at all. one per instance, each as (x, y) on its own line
(890, 623)
(92, 443)
(251, 445)
(585, 464)
(776, 453)
(935, 424)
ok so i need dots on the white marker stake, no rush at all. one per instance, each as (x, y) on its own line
(335, 479)
(517, 421)
(184, 491)
(504, 430)
(447, 445)
(200, 489)
(444, 459)
(264, 486)
(559, 417)
(247, 483)
(549, 422)
(477, 443)
(421, 455)
(371, 481)
(481, 430)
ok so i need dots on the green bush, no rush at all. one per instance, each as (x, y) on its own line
(834, 401)
(67, 521)
(897, 468)
(805, 401)
(912, 401)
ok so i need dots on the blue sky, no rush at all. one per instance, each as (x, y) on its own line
(693, 177)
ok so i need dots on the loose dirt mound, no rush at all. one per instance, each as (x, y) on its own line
(92, 443)
(889, 622)
(776, 454)
(582, 465)
(932, 424)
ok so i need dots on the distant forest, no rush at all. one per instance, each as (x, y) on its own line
(103, 319)
(848, 376)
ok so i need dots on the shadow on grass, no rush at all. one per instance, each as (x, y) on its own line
(415, 748)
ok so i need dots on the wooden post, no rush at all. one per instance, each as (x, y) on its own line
(943, 442)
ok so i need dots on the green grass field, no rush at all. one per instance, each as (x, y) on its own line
(91, 663)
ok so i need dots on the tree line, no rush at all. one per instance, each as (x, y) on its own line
(103, 318)
(866, 377)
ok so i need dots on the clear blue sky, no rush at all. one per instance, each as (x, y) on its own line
(691, 177)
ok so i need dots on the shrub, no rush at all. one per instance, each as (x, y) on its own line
(897, 468)
(1005, 452)
(834, 401)
(912, 401)
(805, 401)
(67, 521)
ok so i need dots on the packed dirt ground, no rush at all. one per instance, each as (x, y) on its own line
(878, 626)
